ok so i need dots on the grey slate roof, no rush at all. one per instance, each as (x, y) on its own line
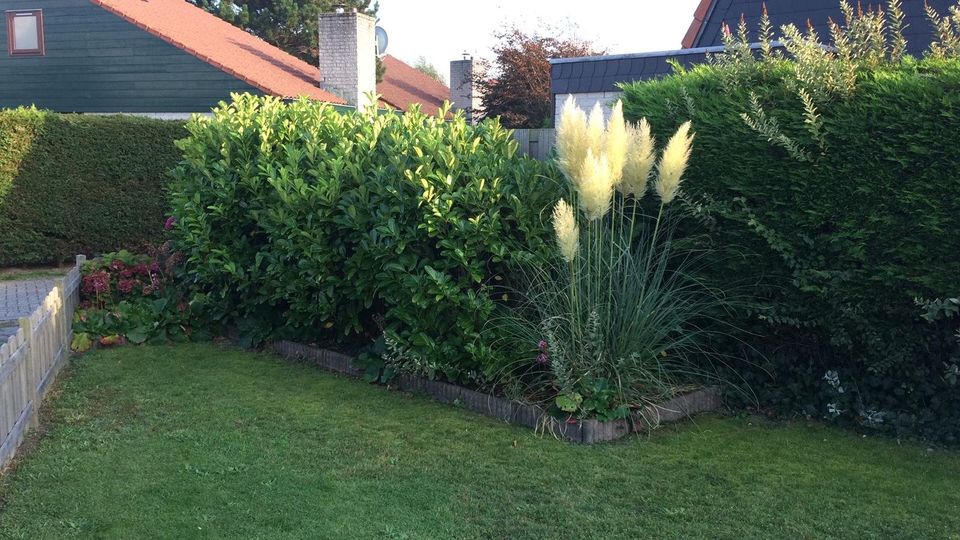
(602, 73)
(919, 32)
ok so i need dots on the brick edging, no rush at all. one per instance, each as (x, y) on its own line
(582, 431)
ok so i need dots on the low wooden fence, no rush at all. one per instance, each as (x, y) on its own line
(31, 358)
(536, 143)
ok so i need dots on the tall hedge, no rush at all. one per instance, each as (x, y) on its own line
(301, 222)
(81, 184)
(835, 249)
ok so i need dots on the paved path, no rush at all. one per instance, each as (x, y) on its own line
(20, 299)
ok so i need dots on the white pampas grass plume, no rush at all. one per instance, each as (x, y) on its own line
(673, 163)
(583, 155)
(641, 157)
(617, 143)
(595, 130)
(572, 141)
(568, 233)
(595, 189)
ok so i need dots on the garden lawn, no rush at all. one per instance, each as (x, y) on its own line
(201, 441)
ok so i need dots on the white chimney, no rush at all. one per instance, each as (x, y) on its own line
(464, 95)
(348, 55)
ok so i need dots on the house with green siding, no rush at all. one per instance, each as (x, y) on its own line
(171, 58)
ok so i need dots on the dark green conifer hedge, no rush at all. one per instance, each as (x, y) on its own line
(81, 184)
(838, 221)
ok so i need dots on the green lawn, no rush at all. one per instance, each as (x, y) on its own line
(19, 274)
(200, 441)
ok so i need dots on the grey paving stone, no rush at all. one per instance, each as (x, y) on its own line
(20, 299)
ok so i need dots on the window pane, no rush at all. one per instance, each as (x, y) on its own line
(25, 35)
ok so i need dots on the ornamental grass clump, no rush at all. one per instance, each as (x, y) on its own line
(615, 320)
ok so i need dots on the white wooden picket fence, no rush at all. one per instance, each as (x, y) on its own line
(31, 359)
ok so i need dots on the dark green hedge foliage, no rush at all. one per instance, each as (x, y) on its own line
(81, 184)
(297, 221)
(837, 249)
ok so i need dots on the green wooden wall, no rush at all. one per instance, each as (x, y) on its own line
(98, 62)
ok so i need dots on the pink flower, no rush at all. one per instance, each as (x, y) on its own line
(544, 357)
(96, 283)
(127, 273)
(141, 270)
(117, 265)
(171, 221)
(126, 285)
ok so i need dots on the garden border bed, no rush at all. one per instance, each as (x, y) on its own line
(515, 412)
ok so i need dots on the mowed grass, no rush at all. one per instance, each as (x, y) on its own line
(24, 274)
(198, 441)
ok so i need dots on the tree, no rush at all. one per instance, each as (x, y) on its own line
(290, 25)
(422, 64)
(516, 85)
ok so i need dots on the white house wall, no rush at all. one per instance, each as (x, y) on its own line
(587, 101)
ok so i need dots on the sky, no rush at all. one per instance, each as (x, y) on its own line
(442, 30)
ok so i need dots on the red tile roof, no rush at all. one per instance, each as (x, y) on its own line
(259, 63)
(223, 46)
(700, 17)
(404, 85)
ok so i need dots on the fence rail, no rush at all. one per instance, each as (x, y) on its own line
(31, 358)
(536, 143)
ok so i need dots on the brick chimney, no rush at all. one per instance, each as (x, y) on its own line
(464, 94)
(348, 55)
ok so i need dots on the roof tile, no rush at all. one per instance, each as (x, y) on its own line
(404, 86)
(708, 32)
(261, 64)
(224, 46)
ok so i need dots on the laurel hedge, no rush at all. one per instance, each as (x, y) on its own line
(81, 184)
(836, 250)
(299, 222)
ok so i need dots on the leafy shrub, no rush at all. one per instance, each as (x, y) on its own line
(80, 184)
(842, 204)
(128, 297)
(945, 316)
(300, 222)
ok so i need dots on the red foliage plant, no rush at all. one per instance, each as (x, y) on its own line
(110, 279)
(516, 86)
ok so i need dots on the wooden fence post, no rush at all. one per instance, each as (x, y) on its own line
(29, 376)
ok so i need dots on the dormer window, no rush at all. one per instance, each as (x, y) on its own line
(25, 32)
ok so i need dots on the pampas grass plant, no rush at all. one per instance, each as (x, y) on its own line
(617, 320)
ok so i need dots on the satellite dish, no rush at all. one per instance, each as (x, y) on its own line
(382, 41)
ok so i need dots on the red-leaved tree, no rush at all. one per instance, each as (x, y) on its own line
(516, 85)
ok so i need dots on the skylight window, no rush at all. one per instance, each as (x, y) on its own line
(25, 33)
